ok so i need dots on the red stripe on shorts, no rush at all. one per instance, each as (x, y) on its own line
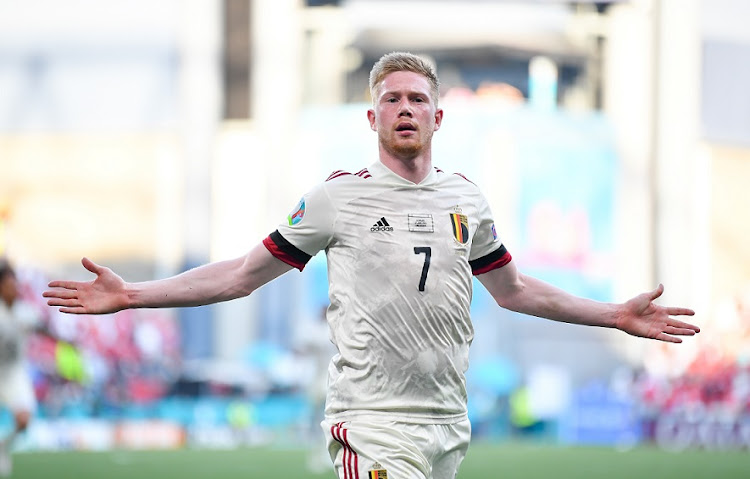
(339, 434)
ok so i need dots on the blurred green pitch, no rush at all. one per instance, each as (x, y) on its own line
(483, 461)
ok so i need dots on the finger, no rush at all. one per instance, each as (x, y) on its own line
(680, 324)
(657, 292)
(667, 338)
(75, 310)
(64, 284)
(91, 266)
(680, 312)
(64, 302)
(679, 331)
(61, 293)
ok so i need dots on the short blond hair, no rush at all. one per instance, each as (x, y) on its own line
(403, 62)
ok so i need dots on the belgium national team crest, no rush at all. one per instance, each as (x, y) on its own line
(460, 227)
(377, 472)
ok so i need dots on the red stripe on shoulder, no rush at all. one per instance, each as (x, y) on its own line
(361, 173)
(336, 174)
(462, 176)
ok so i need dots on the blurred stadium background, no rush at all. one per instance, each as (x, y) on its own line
(612, 140)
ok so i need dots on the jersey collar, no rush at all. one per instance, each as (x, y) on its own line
(380, 171)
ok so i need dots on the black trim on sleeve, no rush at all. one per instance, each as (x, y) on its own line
(297, 255)
(499, 257)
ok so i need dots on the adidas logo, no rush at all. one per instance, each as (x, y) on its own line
(381, 225)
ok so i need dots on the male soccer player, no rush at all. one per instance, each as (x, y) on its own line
(17, 320)
(403, 240)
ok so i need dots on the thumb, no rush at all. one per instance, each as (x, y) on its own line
(91, 266)
(657, 292)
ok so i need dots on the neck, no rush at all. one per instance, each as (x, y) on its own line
(414, 169)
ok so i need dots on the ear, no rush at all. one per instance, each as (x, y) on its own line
(371, 119)
(438, 118)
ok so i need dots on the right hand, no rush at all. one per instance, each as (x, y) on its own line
(105, 294)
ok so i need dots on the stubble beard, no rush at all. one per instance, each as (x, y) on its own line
(405, 150)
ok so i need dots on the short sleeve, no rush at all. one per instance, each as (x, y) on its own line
(28, 317)
(487, 250)
(307, 230)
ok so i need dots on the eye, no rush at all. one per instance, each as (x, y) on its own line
(419, 99)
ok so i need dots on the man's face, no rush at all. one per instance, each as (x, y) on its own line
(8, 289)
(404, 114)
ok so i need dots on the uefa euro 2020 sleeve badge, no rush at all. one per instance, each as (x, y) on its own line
(297, 214)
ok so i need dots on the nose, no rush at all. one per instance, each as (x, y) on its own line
(404, 108)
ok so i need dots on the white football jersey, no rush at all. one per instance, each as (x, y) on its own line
(16, 324)
(400, 263)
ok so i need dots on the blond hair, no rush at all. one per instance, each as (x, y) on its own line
(403, 62)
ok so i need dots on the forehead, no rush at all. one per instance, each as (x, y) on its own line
(404, 82)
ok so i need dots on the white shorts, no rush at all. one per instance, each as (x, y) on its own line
(396, 450)
(16, 392)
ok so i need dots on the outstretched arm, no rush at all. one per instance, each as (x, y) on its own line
(210, 283)
(639, 316)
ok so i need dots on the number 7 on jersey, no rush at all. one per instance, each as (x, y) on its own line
(426, 266)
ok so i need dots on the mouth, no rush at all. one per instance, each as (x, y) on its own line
(405, 128)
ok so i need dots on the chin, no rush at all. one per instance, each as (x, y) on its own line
(408, 150)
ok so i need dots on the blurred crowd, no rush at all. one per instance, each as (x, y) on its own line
(107, 367)
(707, 404)
(95, 365)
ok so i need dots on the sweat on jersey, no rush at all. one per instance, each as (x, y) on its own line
(400, 263)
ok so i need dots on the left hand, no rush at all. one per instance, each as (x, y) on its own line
(641, 317)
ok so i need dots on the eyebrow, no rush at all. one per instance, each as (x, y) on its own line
(409, 93)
